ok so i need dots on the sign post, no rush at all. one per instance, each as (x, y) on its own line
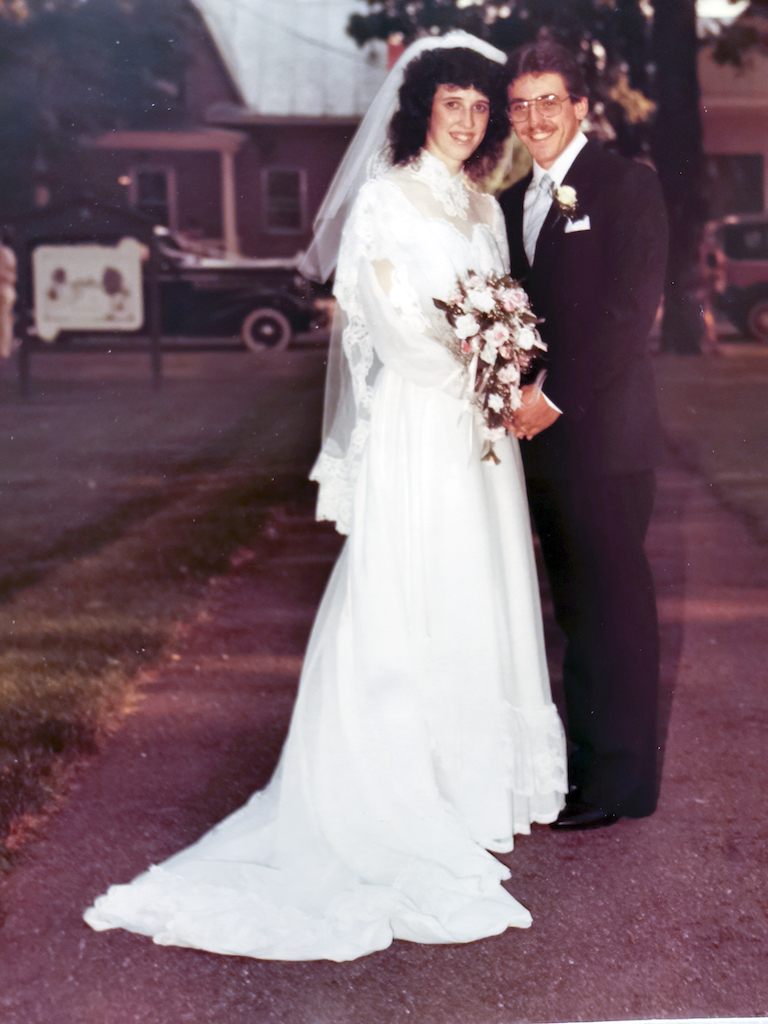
(87, 268)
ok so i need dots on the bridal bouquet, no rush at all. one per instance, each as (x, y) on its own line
(494, 337)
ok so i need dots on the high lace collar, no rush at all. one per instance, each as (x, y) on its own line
(448, 189)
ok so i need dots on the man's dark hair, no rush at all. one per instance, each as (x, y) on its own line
(465, 69)
(548, 57)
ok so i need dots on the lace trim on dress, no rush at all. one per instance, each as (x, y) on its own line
(448, 189)
(336, 472)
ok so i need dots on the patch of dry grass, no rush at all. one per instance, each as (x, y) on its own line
(72, 645)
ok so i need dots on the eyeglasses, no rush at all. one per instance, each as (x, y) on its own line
(549, 106)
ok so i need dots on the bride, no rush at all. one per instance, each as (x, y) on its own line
(424, 734)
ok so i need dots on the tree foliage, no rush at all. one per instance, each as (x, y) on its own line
(72, 68)
(612, 37)
(748, 33)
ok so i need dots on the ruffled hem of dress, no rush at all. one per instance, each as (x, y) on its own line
(535, 751)
(176, 911)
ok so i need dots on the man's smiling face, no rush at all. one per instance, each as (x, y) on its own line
(545, 136)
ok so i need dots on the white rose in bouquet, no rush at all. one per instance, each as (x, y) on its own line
(466, 326)
(509, 374)
(527, 338)
(481, 300)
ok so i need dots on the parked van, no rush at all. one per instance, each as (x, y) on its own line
(735, 267)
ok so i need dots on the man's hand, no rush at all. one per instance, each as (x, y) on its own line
(534, 415)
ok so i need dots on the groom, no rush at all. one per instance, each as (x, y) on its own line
(588, 239)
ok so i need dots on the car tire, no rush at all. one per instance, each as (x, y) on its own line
(757, 320)
(266, 329)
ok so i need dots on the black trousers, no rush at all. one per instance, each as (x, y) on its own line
(592, 531)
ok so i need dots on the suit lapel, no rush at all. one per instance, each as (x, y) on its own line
(553, 228)
(543, 242)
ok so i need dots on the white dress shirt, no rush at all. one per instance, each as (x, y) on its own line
(557, 173)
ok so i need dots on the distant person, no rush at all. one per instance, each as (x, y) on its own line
(588, 239)
(7, 298)
(424, 734)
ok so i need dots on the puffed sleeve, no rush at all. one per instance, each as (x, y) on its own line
(382, 290)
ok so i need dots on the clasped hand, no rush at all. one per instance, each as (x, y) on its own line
(533, 416)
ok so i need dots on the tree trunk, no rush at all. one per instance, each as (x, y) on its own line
(679, 156)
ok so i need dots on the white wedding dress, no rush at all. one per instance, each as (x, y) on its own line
(424, 733)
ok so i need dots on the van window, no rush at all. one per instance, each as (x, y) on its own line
(746, 241)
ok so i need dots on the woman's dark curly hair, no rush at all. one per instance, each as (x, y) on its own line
(466, 69)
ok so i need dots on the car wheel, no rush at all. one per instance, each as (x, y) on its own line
(266, 328)
(757, 320)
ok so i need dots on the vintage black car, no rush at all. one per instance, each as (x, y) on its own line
(262, 301)
(734, 263)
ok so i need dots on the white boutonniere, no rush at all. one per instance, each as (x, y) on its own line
(566, 201)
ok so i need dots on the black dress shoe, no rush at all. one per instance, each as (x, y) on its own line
(579, 815)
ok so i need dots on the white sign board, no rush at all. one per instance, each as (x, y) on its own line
(87, 288)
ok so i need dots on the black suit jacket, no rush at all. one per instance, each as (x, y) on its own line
(598, 292)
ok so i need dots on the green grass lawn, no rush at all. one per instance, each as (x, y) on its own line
(71, 646)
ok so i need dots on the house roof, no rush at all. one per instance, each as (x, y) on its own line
(218, 140)
(293, 58)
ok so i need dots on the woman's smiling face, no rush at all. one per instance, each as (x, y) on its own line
(457, 124)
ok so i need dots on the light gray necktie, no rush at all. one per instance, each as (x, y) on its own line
(536, 214)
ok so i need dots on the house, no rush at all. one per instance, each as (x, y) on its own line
(272, 101)
(273, 94)
(734, 107)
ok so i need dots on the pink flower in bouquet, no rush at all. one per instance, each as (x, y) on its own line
(475, 281)
(513, 298)
(500, 334)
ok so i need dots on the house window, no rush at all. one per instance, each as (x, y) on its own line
(153, 193)
(734, 183)
(285, 200)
